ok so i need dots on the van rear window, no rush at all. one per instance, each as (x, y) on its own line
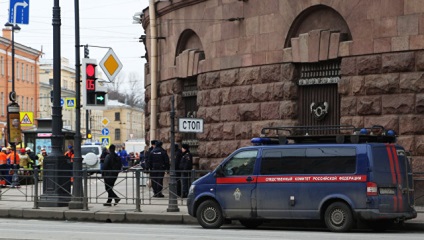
(308, 161)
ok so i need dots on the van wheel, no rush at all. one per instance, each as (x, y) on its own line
(209, 214)
(251, 223)
(338, 217)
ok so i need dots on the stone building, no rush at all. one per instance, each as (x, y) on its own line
(246, 64)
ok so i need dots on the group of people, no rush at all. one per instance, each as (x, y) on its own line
(24, 160)
(156, 162)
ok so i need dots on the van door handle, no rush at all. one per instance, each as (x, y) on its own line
(249, 179)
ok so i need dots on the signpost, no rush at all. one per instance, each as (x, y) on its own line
(19, 11)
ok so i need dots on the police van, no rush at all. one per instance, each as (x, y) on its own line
(341, 178)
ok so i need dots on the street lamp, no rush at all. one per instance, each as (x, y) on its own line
(14, 127)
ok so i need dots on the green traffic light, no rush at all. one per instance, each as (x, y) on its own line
(101, 98)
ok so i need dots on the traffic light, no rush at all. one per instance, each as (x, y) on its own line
(94, 96)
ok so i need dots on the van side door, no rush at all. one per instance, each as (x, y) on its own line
(234, 190)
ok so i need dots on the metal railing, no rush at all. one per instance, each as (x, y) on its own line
(132, 187)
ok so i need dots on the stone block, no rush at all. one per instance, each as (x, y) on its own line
(407, 141)
(295, 49)
(324, 45)
(419, 103)
(225, 94)
(419, 146)
(165, 103)
(370, 105)
(247, 45)
(348, 66)
(227, 147)
(344, 48)
(228, 131)
(262, 92)
(382, 45)
(408, 24)
(212, 80)
(252, 26)
(288, 110)
(249, 112)
(362, 46)
(215, 131)
(368, 64)
(333, 50)
(412, 82)
(213, 114)
(400, 43)
(229, 113)
(344, 86)
(356, 121)
(398, 62)
(290, 91)
(416, 42)
(243, 130)
(270, 110)
(419, 60)
(386, 27)
(288, 72)
(382, 83)
(348, 106)
(164, 119)
(270, 73)
(215, 97)
(303, 47)
(314, 45)
(249, 76)
(203, 98)
(398, 103)
(241, 94)
(273, 57)
(287, 55)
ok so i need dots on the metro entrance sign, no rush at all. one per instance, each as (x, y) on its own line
(193, 125)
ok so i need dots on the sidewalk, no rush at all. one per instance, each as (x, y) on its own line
(126, 213)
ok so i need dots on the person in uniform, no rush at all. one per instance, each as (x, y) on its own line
(4, 167)
(157, 164)
(185, 165)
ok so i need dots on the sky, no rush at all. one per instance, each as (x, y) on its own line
(104, 23)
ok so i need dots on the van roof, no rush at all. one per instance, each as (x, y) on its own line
(324, 134)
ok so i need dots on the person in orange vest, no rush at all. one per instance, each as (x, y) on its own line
(12, 157)
(4, 168)
(70, 153)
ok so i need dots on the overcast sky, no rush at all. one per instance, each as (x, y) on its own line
(106, 23)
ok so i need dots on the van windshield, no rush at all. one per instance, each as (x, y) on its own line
(242, 163)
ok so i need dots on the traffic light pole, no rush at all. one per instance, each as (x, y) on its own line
(77, 190)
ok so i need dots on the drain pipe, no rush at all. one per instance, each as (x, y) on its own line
(153, 69)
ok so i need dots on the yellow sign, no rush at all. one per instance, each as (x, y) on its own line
(70, 102)
(105, 122)
(15, 128)
(26, 119)
(110, 65)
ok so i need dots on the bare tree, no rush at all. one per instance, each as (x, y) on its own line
(129, 90)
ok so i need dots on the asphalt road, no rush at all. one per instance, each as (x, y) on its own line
(37, 229)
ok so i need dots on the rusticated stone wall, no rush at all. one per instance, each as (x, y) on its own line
(237, 103)
(387, 89)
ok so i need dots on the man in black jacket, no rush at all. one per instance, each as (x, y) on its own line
(186, 164)
(158, 163)
(110, 173)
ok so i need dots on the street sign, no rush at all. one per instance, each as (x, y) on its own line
(193, 125)
(27, 119)
(105, 132)
(110, 64)
(62, 102)
(19, 11)
(105, 141)
(105, 122)
(70, 102)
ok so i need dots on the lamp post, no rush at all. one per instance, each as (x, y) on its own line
(14, 126)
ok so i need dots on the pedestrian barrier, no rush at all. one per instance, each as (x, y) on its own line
(132, 187)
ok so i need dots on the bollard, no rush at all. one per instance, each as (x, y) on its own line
(85, 190)
(137, 188)
(35, 176)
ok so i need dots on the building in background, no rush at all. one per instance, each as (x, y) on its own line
(26, 77)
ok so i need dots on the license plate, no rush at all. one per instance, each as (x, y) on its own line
(387, 191)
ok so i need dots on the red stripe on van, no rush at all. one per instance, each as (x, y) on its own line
(392, 167)
(399, 178)
(230, 180)
(312, 179)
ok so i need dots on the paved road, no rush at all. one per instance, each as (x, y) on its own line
(37, 229)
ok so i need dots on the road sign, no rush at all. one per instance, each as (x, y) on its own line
(62, 102)
(27, 119)
(105, 141)
(105, 122)
(70, 102)
(19, 11)
(193, 125)
(110, 64)
(105, 132)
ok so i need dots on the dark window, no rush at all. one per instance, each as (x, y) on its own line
(117, 134)
(117, 116)
(308, 161)
(243, 163)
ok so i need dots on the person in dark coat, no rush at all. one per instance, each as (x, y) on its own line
(110, 173)
(178, 154)
(157, 164)
(103, 157)
(186, 164)
(152, 146)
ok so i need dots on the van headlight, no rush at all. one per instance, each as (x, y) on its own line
(191, 191)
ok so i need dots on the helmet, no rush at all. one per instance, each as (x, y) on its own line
(28, 149)
(22, 150)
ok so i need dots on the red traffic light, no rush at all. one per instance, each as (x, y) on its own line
(90, 70)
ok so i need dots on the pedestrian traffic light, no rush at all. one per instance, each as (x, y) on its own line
(94, 97)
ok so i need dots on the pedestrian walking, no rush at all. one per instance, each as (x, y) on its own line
(186, 164)
(110, 173)
(105, 152)
(158, 163)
